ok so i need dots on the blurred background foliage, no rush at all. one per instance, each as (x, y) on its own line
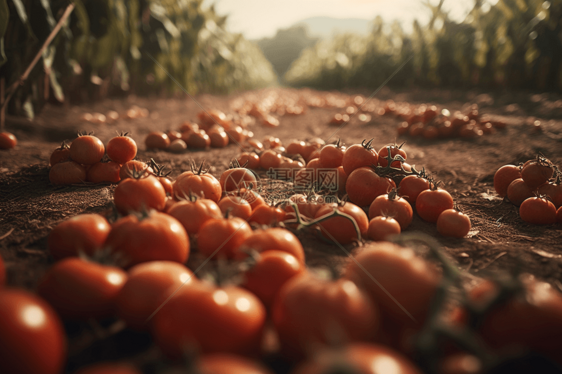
(112, 47)
(511, 44)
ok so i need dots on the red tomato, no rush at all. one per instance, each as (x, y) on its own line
(82, 233)
(229, 364)
(79, 289)
(431, 203)
(503, 178)
(121, 149)
(359, 155)
(518, 191)
(296, 147)
(536, 172)
(394, 151)
(109, 368)
(104, 172)
(270, 159)
(391, 205)
(361, 358)
(2, 272)
(228, 319)
(251, 196)
(87, 150)
(554, 191)
(331, 155)
(60, 154)
(167, 184)
(411, 186)
(7, 140)
(381, 228)
(559, 215)
(272, 238)
(198, 140)
(200, 183)
(222, 237)
(148, 286)
(68, 172)
(157, 140)
(236, 178)
(410, 281)
(453, 223)
(249, 160)
(173, 135)
(218, 139)
(308, 309)
(341, 229)
(267, 215)
(538, 211)
(157, 237)
(271, 270)
(32, 338)
(363, 185)
(134, 195)
(192, 214)
(134, 166)
(236, 206)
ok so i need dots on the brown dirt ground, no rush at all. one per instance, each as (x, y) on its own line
(30, 207)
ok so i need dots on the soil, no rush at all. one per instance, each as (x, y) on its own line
(499, 240)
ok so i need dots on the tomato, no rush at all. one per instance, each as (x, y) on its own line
(188, 126)
(395, 150)
(536, 172)
(309, 309)
(200, 183)
(296, 147)
(218, 139)
(87, 150)
(68, 172)
(7, 140)
(559, 215)
(554, 191)
(503, 178)
(109, 368)
(228, 319)
(538, 211)
(222, 237)
(134, 195)
(453, 223)
(79, 289)
(249, 160)
(82, 233)
(237, 177)
(198, 140)
(134, 167)
(331, 155)
(60, 154)
(518, 191)
(32, 336)
(358, 358)
(270, 159)
(359, 155)
(272, 238)
(157, 237)
(167, 184)
(267, 215)
(431, 203)
(157, 140)
(411, 186)
(391, 205)
(341, 229)
(236, 135)
(229, 364)
(271, 270)
(121, 149)
(363, 185)
(148, 286)
(236, 206)
(193, 213)
(104, 172)
(2, 272)
(381, 228)
(410, 281)
(173, 135)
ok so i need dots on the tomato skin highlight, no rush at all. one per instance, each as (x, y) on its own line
(453, 223)
(68, 172)
(503, 178)
(87, 150)
(381, 228)
(7, 140)
(133, 195)
(32, 339)
(82, 233)
(538, 211)
(431, 203)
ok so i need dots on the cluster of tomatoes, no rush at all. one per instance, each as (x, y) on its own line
(83, 160)
(535, 187)
(132, 113)
(7, 140)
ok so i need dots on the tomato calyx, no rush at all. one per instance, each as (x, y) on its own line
(85, 133)
(159, 170)
(191, 197)
(63, 146)
(135, 173)
(235, 164)
(199, 170)
(367, 144)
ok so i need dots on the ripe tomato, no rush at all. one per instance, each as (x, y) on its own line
(236, 206)
(251, 196)
(193, 213)
(68, 172)
(134, 195)
(222, 237)
(134, 166)
(341, 229)
(7, 140)
(228, 319)
(267, 215)
(32, 338)
(431, 203)
(229, 364)
(2, 272)
(363, 185)
(218, 139)
(554, 191)
(173, 135)
(538, 211)
(148, 286)
(200, 183)
(270, 159)
(518, 191)
(157, 237)
(87, 150)
(453, 223)
(331, 155)
(394, 151)
(391, 205)
(359, 155)
(157, 140)
(249, 160)
(122, 149)
(411, 186)
(79, 289)
(559, 215)
(109, 368)
(536, 172)
(296, 147)
(503, 178)
(237, 177)
(167, 184)
(381, 228)
(358, 358)
(198, 140)
(82, 233)
(308, 309)
(60, 154)
(104, 172)
(272, 238)
(410, 281)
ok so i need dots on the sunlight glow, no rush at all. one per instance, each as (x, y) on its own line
(33, 316)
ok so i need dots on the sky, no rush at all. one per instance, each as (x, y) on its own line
(257, 19)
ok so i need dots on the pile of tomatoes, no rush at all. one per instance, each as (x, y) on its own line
(111, 116)
(535, 187)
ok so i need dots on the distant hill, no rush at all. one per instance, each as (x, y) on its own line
(323, 27)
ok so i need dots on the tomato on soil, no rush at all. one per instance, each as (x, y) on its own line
(60, 154)
(68, 172)
(121, 149)
(7, 140)
(157, 140)
(198, 182)
(381, 228)
(363, 185)
(503, 178)
(391, 205)
(192, 214)
(237, 206)
(431, 203)
(236, 178)
(272, 238)
(411, 186)
(331, 155)
(518, 191)
(223, 236)
(133, 167)
(135, 195)
(104, 172)
(87, 150)
(82, 233)
(538, 211)
(453, 223)
(359, 155)
(536, 172)
(395, 150)
(341, 229)
(267, 215)
(553, 191)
